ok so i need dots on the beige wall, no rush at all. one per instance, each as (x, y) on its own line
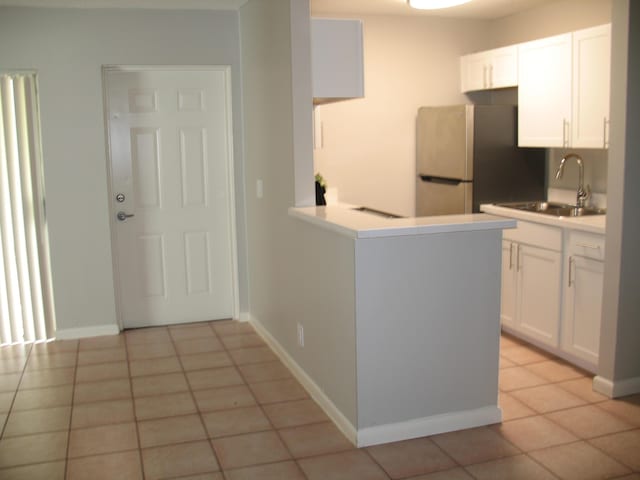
(369, 143)
(550, 19)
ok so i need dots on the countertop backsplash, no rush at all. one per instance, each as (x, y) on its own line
(595, 169)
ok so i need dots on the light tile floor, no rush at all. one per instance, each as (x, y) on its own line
(211, 401)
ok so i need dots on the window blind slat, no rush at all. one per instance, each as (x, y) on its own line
(27, 310)
(8, 235)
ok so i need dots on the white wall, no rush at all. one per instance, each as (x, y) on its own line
(68, 47)
(369, 143)
(270, 156)
(550, 19)
(452, 338)
(619, 367)
(290, 282)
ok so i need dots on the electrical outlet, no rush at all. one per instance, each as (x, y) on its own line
(300, 335)
(259, 188)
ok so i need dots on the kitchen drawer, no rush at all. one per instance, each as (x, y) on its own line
(536, 234)
(587, 245)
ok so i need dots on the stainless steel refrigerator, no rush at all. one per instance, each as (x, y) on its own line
(467, 155)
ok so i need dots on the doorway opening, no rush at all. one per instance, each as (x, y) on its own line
(171, 193)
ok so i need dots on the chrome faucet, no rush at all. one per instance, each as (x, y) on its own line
(583, 193)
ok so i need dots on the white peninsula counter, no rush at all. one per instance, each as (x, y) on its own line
(401, 320)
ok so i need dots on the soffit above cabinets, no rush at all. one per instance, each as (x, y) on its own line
(479, 9)
(152, 4)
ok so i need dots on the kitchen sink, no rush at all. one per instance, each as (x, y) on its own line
(554, 209)
(379, 213)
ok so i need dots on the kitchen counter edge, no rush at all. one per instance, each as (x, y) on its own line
(359, 225)
(593, 224)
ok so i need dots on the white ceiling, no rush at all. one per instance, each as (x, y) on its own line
(480, 9)
(162, 4)
(483, 9)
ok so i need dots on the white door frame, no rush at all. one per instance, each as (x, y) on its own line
(230, 179)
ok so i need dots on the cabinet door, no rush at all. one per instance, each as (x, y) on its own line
(591, 72)
(544, 92)
(473, 72)
(538, 295)
(503, 67)
(337, 58)
(508, 292)
(583, 307)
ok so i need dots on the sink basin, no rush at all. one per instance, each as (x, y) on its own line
(379, 213)
(554, 209)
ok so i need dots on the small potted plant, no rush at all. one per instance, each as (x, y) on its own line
(321, 189)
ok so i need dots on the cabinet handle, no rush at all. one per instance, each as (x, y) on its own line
(570, 267)
(565, 132)
(606, 133)
(511, 256)
(490, 76)
(588, 245)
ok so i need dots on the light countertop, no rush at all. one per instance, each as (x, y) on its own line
(592, 223)
(355, 224)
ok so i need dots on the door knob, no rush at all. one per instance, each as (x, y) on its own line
(122, 216)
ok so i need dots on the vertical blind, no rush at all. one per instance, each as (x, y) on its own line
(26, 300)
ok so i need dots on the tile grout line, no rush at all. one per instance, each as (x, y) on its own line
(544, 415)
(15, 393)
(73, 392)
(586, 441)
(133, 405)
(261, 407)
(193, 397)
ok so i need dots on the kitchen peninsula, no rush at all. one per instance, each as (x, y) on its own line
(401, 333)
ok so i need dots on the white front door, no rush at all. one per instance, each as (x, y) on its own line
(171, 185)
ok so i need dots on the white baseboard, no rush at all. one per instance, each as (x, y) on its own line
(557, 351)
(422, 427)
(244, 317)
(616, 388)
(84, 332)
(343, 424)
(415, 428)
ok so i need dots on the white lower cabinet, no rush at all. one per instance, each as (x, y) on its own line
(582, 303)
(531, 282)
(539, 293)
(509, 282)
(552, 289)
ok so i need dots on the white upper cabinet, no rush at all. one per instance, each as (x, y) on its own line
(491, 69)
(591, 87)
(563, 90)
(337, 60)
(544, 92)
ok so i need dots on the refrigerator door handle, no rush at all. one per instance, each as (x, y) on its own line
(441, 180)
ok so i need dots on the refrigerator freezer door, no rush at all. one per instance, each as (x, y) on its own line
(443, 198)
(445, 142)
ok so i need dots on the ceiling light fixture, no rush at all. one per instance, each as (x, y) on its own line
(435, 4)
